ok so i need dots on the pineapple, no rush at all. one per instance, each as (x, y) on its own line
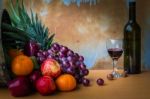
(26, 29)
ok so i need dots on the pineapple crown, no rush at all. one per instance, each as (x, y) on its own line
(31, 26)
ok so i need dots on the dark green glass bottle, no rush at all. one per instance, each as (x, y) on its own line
(132, 42)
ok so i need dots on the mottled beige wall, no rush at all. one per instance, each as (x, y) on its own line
(86, 28)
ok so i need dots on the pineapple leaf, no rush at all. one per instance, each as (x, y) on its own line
(50, 40)
(14, 15)
(26, 16)
(15, 36)
(45, 32)
(6, 26)
(25, 21)
(17, 6)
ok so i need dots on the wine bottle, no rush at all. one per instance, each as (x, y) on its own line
(132, 42)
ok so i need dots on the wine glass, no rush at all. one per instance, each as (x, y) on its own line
(115, 50)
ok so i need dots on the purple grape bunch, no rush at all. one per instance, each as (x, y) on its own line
(70, 62)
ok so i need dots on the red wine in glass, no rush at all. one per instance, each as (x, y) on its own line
(115, 53)
(115, 50)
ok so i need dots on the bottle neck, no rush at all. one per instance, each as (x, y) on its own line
(132, 12)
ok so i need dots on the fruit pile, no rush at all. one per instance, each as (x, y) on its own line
(35, 61)
(45, 80)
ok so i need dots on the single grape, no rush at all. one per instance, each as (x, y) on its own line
(54, 50)
(45, 53)
(82, 73)
(71, 64)
(56, 45)
(77, 63)
(85, 82)
(100, 81)
(64, 49)
(76, 55)
(81, 58)
(69, 58)
(70, 71)
(125, 74)
(61, 54)
(110, 77)
(66, 63)
(75, 59)
(39, 54)
(70, 53)
(50, 51)
(63, 59)
(41, 59)
(82, 65)
(86, 72)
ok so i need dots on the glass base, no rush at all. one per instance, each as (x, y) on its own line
(117, 74)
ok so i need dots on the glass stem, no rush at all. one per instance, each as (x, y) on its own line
(114, 65)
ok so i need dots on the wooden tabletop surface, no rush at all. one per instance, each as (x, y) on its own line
(132, 87)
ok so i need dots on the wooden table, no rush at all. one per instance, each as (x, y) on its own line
(132, 87)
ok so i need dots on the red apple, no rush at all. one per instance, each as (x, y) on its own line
(19, 87)
(51, 67)
(45, 85)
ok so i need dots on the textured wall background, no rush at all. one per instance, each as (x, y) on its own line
(85, 29)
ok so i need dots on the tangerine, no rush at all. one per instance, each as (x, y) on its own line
(66, 82)
(22, 65)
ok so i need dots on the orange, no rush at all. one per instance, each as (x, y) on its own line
(66, 82)
(22, 65)
(14, 52)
